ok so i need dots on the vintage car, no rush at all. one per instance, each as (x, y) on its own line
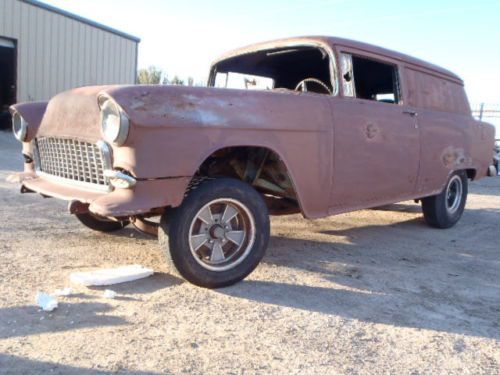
(310, 125)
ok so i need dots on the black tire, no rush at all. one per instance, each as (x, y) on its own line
(179, 226)
(100, 225)
(443, 210)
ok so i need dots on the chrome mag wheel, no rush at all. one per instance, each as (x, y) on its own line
(222, 234)
(218, 235)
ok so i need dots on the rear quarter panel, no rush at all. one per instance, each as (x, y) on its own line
(450, 138)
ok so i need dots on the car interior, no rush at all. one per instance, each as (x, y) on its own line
(373, 80)
(304, 69)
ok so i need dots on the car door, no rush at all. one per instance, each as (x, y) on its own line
(376, 137)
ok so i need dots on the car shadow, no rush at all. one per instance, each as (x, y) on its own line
(391, 274)
(28, 320)
(13, 364)
(400, 207)
(131, 232)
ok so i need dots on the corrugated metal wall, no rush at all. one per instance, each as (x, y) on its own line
(55, 52)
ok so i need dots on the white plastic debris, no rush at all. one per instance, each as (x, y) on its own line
(63, 292)
(110, 294)
(111, 276)
(46, 301)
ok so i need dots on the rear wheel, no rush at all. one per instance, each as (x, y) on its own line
(100, 224)
(218, 235)
(445, 209)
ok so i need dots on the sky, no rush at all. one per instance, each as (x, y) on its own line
(184, 37)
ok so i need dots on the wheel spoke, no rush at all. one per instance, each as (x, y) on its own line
(206, 216)
(229, 213)
(236, 236)
(217, 253)
(221, 234)
(197, 241)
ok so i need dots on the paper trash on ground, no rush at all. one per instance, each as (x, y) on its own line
(63, 292)
(46, 301)
(111, 276)
(110, 294)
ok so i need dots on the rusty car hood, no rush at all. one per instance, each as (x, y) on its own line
(73, 114)
(155, 106)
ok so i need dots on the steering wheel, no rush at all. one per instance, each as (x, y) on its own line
(302, 85)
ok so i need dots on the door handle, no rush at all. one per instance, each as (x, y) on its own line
(410, 112)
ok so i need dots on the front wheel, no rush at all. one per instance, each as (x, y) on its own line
(218, 235)
(445, 209)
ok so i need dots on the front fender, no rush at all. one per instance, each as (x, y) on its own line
(174, 129)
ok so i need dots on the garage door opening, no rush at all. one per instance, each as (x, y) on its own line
(7, 80)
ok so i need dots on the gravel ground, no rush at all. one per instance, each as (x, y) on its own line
(370, 292)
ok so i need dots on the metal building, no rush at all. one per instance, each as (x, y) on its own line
(45, 50)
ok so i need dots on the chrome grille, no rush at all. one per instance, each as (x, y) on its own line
(74, 160)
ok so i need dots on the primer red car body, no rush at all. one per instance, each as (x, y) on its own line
(379, 127)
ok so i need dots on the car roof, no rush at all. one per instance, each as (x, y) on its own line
(330, 40)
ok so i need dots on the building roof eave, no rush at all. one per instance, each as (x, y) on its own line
(86, 21)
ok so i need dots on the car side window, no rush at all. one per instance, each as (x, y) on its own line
(369, 79)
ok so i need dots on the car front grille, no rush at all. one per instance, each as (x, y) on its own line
(74, 160)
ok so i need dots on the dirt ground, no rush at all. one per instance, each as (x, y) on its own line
(370, 292)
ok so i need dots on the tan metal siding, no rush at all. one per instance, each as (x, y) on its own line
(56, 53)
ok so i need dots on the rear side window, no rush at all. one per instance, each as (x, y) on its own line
(369, 79)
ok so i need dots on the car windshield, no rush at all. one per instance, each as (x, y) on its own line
(232, 80)
(284, 68)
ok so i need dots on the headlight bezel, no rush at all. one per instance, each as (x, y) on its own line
(19, 127)
(110, 111)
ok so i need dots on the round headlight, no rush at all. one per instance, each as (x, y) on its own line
(19, 127)
(114, 122)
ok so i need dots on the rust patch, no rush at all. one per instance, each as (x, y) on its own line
(371, 131)
(454, 157)
(137, 105)
(185, 105)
